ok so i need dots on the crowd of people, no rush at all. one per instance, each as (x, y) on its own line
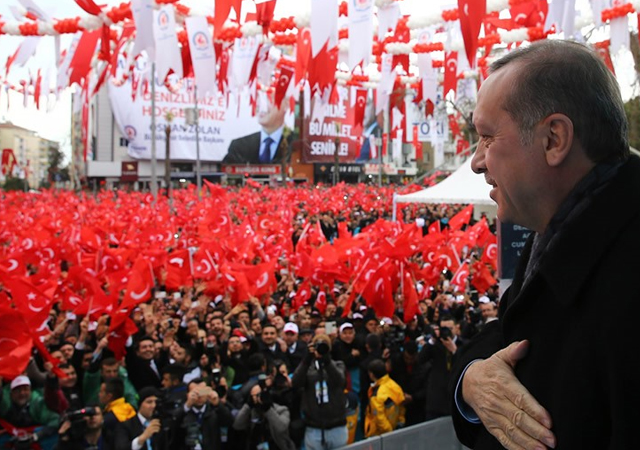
(189, 368)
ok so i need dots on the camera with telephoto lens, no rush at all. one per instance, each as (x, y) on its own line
(78, 424)
(322, 348)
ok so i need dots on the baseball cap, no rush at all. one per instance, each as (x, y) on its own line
(484, 299)
(345, 325)
(20, 380)
(291, 328)
(357, 316)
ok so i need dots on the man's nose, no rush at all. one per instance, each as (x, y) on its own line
(477, 161)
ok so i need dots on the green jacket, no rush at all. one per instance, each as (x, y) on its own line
(39, 412)
(91, 387)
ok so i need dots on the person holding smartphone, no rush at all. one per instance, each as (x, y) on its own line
(197, 425)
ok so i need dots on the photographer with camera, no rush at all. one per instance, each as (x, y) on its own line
(82, 430)
(197, 425)
(323, 382)
(440, 351)
(266, 422)
(142, 431)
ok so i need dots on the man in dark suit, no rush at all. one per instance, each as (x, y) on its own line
(141, 432)
(270, 346)
(268, 146)
(296, 349)
(143, 368)
(559, 368)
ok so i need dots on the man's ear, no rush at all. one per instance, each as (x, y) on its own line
(558, 134)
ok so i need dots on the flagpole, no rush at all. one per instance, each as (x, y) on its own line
(154, 175)
(197, 121)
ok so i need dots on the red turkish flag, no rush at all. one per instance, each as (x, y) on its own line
(139, 285)
(81, 62)
(303, 53)
(529, 14)
(178, 266)
(482, 278)
(322, 69)
(446, 258)
(450, 72)
(223, 70)
(606, 56)
(302, 295)
(417, 145)
(410, 305)
(89, 6)
(434, 228)
(490, 254)
(460, 277)
(379, 292)
(471, 13)
(221, 13)
(321, 302)
(282, 85)
(262, 279)
(204, 267)
(264, 14)
(120, 328)
(361, 104)
(462, 218)
(15, 343)
(34, 304)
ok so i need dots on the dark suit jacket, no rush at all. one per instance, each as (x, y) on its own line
(246, 149)
(140, 372)
(579, 312)
(212, 420)
(298, 355)
(130, 429)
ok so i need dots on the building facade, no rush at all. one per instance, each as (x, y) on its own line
(32, 152)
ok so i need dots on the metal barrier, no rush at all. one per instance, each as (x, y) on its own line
(436, 434)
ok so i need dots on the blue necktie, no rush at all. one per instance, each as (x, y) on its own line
(265, 153)
(146, 424)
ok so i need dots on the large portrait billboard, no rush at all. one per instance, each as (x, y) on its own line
(219, 122)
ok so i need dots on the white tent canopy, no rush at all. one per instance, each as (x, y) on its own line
(462, 186)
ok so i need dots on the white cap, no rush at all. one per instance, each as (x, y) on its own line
(484, 299)
(218, 299)
(387, 320)
(291, 327)
(272, 309)
(358, 316)
(420, 222)
(345, 325)
(243, 339)
(20, 380)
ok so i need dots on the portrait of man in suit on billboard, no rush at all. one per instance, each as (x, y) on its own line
(267, 146)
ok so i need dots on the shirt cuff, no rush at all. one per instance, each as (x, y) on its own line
(135, 444)
(464, 409)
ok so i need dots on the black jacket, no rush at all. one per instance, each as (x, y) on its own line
(579, 313)
(130, 429)
(330, 412)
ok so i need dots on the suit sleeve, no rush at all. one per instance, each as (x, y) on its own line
(482, 346)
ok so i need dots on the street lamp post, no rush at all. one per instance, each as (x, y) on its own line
(154, 175)
(167, 157)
